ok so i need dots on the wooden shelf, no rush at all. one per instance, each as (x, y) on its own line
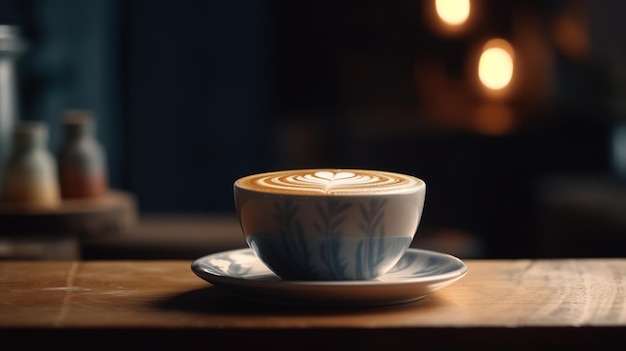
(112, 214)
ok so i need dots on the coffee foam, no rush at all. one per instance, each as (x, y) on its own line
(330, 182)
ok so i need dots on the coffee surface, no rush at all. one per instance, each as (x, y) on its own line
(330, 182)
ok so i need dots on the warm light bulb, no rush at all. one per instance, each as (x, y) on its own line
(495, 66)
(453, 12)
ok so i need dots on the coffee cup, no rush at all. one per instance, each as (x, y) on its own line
(329, 224)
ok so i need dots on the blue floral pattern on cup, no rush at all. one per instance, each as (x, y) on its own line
(290, 252)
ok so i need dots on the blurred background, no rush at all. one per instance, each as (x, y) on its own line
(513, 112)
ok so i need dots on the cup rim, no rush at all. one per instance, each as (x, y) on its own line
(415, 185)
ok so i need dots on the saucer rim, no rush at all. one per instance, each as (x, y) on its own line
(269, 288)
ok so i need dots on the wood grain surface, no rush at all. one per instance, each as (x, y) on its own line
(508, 303)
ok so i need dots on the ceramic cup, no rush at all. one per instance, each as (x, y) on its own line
(329, 224)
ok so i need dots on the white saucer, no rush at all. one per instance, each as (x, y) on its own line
(419, 273)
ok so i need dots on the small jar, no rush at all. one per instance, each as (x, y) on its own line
(81, 159)
(30, 177)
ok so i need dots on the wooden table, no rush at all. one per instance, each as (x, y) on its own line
(148, 305)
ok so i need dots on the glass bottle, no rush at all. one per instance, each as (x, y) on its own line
(12, 45)
(30, 177)
(81, 158)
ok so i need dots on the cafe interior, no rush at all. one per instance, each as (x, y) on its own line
(512, 112)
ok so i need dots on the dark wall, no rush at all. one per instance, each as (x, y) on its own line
(191, 95)
(194, 99)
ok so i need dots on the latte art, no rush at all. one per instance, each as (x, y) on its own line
(330, 182)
